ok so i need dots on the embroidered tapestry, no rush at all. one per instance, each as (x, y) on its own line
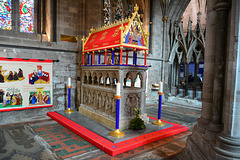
(25, 84)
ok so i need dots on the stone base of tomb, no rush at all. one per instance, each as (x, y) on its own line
(98, 134)
(110, 122)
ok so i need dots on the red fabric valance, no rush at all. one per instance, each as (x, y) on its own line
(109, 38)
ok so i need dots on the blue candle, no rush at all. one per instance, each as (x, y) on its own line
(159, 106)
(113, 56)
(69, 97)
(135, 58)
(117, 113)
(91, 59)
(99, 58)
(88, 59)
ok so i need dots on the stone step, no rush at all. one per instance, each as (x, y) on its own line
(192, 107)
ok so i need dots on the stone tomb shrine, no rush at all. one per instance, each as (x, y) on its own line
(99, 77)
(99, 89)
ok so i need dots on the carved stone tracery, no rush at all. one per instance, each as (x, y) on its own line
(132, 101)
(186, 49)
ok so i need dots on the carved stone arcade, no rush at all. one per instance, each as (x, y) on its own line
(99, 89)
(183, 51)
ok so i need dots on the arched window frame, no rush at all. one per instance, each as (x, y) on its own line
(42, 30)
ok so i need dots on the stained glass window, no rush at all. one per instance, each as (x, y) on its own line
(26, 16)
(106, 12)
(5, 14)
(119, 10)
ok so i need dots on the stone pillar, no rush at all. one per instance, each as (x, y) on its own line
(228, 142)
(209, 60)
(164, 19)
(220, 49)
(219, 139)
(220, 55)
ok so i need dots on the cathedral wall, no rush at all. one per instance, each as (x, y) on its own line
(155, 50)
(14, 44)
(94, 14)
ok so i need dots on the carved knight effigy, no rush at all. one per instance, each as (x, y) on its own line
(106, 62)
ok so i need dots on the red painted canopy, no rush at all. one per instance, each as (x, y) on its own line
(131, 36)
(109, 38)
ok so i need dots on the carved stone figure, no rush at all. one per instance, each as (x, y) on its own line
(132, 101)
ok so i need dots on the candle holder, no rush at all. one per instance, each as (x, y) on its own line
(69, 110)
(117, 132)
(159, 121)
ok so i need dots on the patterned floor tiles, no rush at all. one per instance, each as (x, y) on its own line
(64, 142)
(161, 149)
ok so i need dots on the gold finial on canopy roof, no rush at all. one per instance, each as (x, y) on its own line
(118, 22)
(121, 28)
(136, 8)
(83, 39)
(92, 29)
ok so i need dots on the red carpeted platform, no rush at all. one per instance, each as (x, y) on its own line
(120, 147)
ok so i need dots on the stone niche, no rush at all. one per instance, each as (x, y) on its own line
(98, 90)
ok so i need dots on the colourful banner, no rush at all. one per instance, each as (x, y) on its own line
(25, 84)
